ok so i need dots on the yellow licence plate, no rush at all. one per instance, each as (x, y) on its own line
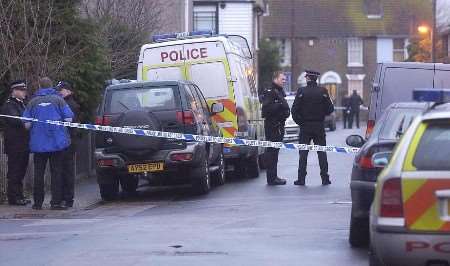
(145, 167)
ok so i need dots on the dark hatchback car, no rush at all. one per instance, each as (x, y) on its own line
(171, 106)
(394, 121)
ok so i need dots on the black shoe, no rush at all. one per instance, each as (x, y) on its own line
(19, 202)
(326, 182)
(58, 207)
(299, 182)
(36, 207)
(277, 182)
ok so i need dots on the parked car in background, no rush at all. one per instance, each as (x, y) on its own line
(410, 215)
(394, 82)
(390, 127)
(171, 106)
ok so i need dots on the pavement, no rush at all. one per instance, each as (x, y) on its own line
(244, 222)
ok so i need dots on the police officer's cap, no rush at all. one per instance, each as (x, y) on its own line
(18, 85)
(63, 85)
(312, 73)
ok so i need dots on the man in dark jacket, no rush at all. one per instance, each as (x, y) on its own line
(355, 103)
(16, 143)
(47, 141)
(346, 111)
(312, 103)
(68, 162)
(275, 110)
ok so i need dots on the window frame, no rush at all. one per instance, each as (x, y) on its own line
(353, 44)
(216, 17)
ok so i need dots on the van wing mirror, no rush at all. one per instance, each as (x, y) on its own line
(217, 108)
(381, 159)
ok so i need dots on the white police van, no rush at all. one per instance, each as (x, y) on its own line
(222, 67)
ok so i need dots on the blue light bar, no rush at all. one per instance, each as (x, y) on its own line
(432, 95)
(180, 35)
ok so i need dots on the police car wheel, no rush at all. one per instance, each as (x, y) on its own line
(109, 191)
(359, 235)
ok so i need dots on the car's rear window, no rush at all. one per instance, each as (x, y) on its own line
(397, 122)
(149, 98)
(433, 153)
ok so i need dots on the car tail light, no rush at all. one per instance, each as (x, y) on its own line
(370, 126)
(391, 199)
(185, 117)
(180, 157)
(366, 161)
(106, 163)
(103, 120)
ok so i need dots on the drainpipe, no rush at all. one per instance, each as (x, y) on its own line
(186, 15)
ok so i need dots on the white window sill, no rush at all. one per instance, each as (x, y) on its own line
(355, 65)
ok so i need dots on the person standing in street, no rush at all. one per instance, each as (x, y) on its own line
(68, 161)
(355, 103)
(346, 111)
(16, 143)
(312, 103)
(275, 111)
(47, 141)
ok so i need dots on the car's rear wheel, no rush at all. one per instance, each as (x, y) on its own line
(201, 179)
(129, 184)
(109, 191)
(359, 232)
(220, 175)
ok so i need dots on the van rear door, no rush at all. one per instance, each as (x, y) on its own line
(163, 63)
(442, 76)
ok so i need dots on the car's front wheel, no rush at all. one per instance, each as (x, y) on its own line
(201, 179)
(109, 191)
(220, 175)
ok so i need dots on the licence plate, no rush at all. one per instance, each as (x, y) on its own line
(145, 167)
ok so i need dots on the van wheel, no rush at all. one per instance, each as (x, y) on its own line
(359, 232)
(220, 175)
(109, 191)
(373, 258)
(201, 180)
(252, 166)
(129, 184)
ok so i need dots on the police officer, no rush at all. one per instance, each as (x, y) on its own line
(312, 103)
(275, 110)
(16, 143)
(346, 111)
(68, 163)
(355, 103)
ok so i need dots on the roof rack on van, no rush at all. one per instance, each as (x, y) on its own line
(181, 36)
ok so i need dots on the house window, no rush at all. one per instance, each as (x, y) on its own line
(284, 46)
(399, 50)
(355, 52)
(205, 18)
(356, 83)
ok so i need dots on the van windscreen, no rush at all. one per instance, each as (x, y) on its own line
(211, 79)
(148, 98)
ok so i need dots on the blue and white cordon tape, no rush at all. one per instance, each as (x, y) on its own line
(191, 137)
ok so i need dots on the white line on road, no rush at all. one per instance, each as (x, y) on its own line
(36, 235)
(47, 222)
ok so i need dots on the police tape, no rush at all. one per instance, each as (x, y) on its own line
(192, 137)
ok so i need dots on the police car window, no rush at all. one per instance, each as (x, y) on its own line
(397, 122)
(432, 153)
(166, 73)
(154, 99)
(211, 79)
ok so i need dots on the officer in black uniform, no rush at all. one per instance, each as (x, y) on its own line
(68, 174)
(275, 110)
(16, 143)
(312, 103)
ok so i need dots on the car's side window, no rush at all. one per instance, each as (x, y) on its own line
(202, 100)
(191, 101)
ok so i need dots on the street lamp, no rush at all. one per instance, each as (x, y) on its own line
(423, 29)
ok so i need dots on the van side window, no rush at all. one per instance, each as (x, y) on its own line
(211, 78)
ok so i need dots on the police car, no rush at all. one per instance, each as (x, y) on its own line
(410, 215)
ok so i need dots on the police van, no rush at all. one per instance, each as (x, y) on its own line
(222, 67)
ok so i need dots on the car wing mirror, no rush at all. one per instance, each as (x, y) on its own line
(355, 141)
(381, 159)
(217, 108)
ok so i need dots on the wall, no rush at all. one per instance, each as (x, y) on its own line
(237, 18)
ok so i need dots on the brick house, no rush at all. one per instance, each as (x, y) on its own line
(344, 40)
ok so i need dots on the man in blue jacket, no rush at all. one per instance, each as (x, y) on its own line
(47, 141)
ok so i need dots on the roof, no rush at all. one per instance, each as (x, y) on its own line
(439, 112)
(349, 18)
(410, 105)
(147, 83)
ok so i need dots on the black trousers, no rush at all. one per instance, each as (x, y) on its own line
(314, 132)
(68, 174)
(17, 168)
(40, 163)
(345, 118)
(274, 132)
(354, 116)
